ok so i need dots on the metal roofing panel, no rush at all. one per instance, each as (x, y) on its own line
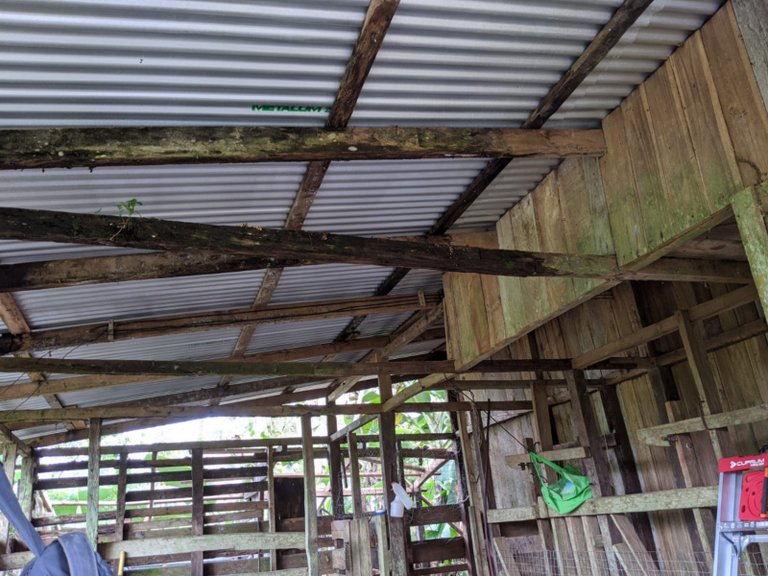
(133, 392)
(391, 197)
(382, 324)
(169, 62)
(428, 281)
(223, 194)
(204, 345)
(328, 282)
(645, 46)
(482, 63)
(139, 299)
(511, 185)
(293, 334)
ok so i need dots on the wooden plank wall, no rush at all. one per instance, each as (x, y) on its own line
(678, 148)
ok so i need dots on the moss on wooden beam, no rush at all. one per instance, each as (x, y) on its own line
(92, 147)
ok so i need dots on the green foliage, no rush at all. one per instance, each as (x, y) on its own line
(128, 208)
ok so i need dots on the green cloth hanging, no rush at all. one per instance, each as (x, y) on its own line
(570, 490)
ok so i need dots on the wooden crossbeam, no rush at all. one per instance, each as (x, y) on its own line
(248, 409)
(122, 330)
(69, 147)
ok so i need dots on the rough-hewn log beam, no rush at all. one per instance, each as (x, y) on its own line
(593, 54)
(234, 367)
(156, 234)
(249, 409)
(69, 147)
(121, 330)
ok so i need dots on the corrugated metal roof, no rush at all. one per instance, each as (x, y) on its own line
(424, 280)
(223, 194)
(328, 282)
(650, 40)
(393, 197)
(506, 190)
(139, 299)
(482, 63)
(279, 336)
(382, 324)
(132, 392)
(102, 62)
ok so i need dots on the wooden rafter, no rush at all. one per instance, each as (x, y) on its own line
(70, 147)
(593, 54)
(249, 409)
(122, 330)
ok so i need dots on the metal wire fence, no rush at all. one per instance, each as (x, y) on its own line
(512, 562)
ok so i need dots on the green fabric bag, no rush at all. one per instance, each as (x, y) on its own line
(570, 490)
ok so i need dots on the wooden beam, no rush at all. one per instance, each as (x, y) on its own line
(310, 496)
(657, 435)
(91, 147)
(415, 326)
(375, 26)
(358, 509)
(245, 409)
(235, 367)
(624, 16)
(156, 234)
(94, 461)
(667, 326)
(198, 514)
(123, 268)
(128, 329)
(9, 469)
(754, 235)
(657, 501)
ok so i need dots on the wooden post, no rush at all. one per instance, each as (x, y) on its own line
(271, 510)
(9, 468)
(398, 541)
(470, 460)
(704, 378)
(26, 485)
(310, 497)
(335, 470)
(122, 485)
(198, 508)
(94, 461)
(380, 525)
(754, 236)
(354, 477)
(585, 425)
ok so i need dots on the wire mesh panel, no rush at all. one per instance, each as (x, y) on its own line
(595, 562)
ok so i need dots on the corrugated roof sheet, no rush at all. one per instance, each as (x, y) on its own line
(481, 63)
(139, 299)
(133, 392)
(328, 282)
(102, 62)
(279, 336)
(224, 194)
(391, 197)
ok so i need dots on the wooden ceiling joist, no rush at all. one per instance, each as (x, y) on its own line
(242, 409)
(315, 247)
(122, 330)
(93, 147)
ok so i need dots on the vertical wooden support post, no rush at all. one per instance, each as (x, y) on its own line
(310, 497)
(271, 508)
(26, 484)
(198, 508)
(9, 469)
(380, 525)
(335, 465)
(122, 485)
(476, 495)
(585, 426)
(398, 542)
(94, 465)
(754, 236)
(354, 477)
(703, 377)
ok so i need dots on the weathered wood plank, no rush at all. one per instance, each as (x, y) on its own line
(94, 460)
(660, 500)
(159, 326)
(70, 147)
(577, 453)
(310, 497)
